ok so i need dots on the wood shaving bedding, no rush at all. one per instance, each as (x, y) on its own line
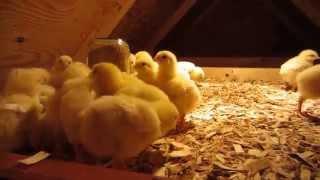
(244, 130)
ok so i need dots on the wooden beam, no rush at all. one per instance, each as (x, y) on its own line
(286, 20)
(206, 12)
(170, 23)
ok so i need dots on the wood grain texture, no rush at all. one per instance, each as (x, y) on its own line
(35, 32)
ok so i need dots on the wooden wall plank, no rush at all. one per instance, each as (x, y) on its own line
(236, 61)
(34, 32)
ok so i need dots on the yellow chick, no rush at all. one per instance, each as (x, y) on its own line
(41, 134)
(120, 83)
(158, 100)
(72, 102)
(182, 92)
(76, 70)
(108, 79)
(146, 67)
(308, 82)
(17, 114)
(186, 66)
(195, 73)
(119, 127)
(65, 68)
(290, 69)
(25, 81)
(60, 65)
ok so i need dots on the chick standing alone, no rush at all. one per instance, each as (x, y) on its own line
(290, 69)
(308, 82)
(182, 92)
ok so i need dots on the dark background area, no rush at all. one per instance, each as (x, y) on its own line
(221, 28)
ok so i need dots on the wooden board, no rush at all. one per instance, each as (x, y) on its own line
(253, 62)
(243, 74)
(34, 32)
(55, 169)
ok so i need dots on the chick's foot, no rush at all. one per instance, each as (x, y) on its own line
(184, 126)
(310, 117)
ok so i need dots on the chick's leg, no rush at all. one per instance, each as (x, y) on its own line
(183, 125)
(118, 164)
(305, 114)
(300, 102)
(79, 153)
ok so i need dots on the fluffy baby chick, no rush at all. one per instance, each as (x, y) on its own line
(25, 81)
(182, 92)
(17, 113)
(76, 70)
(108, 79)
(308, 82)
(290, 69)
(65, 68)
(60, 65)
(146, 67)
(195, 73)
(186, 66)
(42, 132)
(120, 83)
(119, 127)
(72, 102)
(158, 100)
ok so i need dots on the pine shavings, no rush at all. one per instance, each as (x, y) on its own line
(243, 130)
(238, 148)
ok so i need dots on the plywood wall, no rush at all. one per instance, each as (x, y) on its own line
(35, 32)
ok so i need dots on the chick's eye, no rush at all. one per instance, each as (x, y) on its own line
(163, 57)
(94, 70)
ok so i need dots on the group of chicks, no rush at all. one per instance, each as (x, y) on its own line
(300, 73)
(100, 111)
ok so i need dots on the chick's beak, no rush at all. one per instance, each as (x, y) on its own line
(316, 61)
